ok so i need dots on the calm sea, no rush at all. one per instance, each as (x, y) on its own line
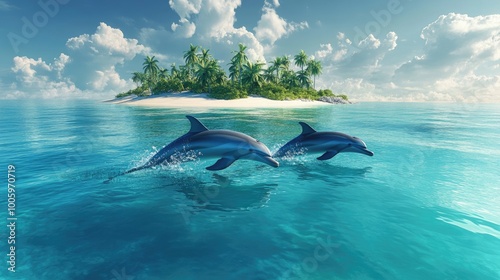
(426, 206)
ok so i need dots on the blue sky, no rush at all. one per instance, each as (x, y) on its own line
(387, 50)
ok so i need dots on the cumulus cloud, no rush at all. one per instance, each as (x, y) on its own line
(212, 22)
(88, 70)
(325, 50)
(30, 70)
(459, 60)
(35, 77)
(108, 80)
(107, 41)
(99, 53)
(184, 8)
(271, 27)
(184, 29)
(207, 22)
(356, 69)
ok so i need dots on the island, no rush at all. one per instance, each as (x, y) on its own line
(203, 82)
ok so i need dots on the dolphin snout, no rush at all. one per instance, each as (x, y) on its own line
(270, 161)
(367, 152)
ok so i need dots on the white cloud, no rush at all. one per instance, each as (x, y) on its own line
(184, 8)
(88, 71)
(100, 52)
(459, 58)
(185, 28)
(325, 50)
(36, 78)
(109, 80)
(271, 27)
(459, 62)
(207, 22)
(356, 70)
(27, 68)
(108, 41)
(369, 42)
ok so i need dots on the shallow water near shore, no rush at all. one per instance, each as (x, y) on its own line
(425, 206)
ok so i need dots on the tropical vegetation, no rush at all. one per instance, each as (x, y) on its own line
(203, 73)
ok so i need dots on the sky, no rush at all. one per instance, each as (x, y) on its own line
(371, 50)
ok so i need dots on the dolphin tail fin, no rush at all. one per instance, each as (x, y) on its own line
(123, 173)
(222, 163)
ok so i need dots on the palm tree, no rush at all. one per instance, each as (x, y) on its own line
(220, 76)
(301, 59)
(204, 56)
(252, 74)
(138, 78)
(289, 79)
(269, 75)
(174, 72)
(163, 73)
(233, 72)
(206, 72)
(239, 59)
(277, 65)
(191, 58)
(303, 78)
(151, 69)
(285, 63)
(314, 68)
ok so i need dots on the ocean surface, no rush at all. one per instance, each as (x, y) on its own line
(425, 206)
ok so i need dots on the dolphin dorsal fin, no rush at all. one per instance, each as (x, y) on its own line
(196, 125)
(306, 129)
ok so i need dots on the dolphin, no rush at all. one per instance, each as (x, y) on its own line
(227, 145)
(329, 143)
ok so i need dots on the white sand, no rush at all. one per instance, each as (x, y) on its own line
(192, 100)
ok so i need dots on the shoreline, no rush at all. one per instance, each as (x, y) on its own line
(201, 100)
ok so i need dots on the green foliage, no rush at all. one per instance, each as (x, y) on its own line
(305, 93)
(228, 92)
(325, 92)
(273, 91)
(170, 85)
(343, 96)
(202, 73)
(139, 91)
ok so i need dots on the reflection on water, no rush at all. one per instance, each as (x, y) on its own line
(223, 194)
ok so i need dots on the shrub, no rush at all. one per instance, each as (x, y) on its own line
(227, 92)
(273, 91)
(139, 91)
(343, 96)
(325, 92)
(170, 85)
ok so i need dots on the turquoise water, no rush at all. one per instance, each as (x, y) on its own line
(424, 207)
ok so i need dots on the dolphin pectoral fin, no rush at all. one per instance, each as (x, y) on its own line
(328, 155)
(222, 163)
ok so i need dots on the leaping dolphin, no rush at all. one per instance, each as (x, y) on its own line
(329, 143)
(227, 145)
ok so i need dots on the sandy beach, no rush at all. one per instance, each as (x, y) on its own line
(192, 100)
